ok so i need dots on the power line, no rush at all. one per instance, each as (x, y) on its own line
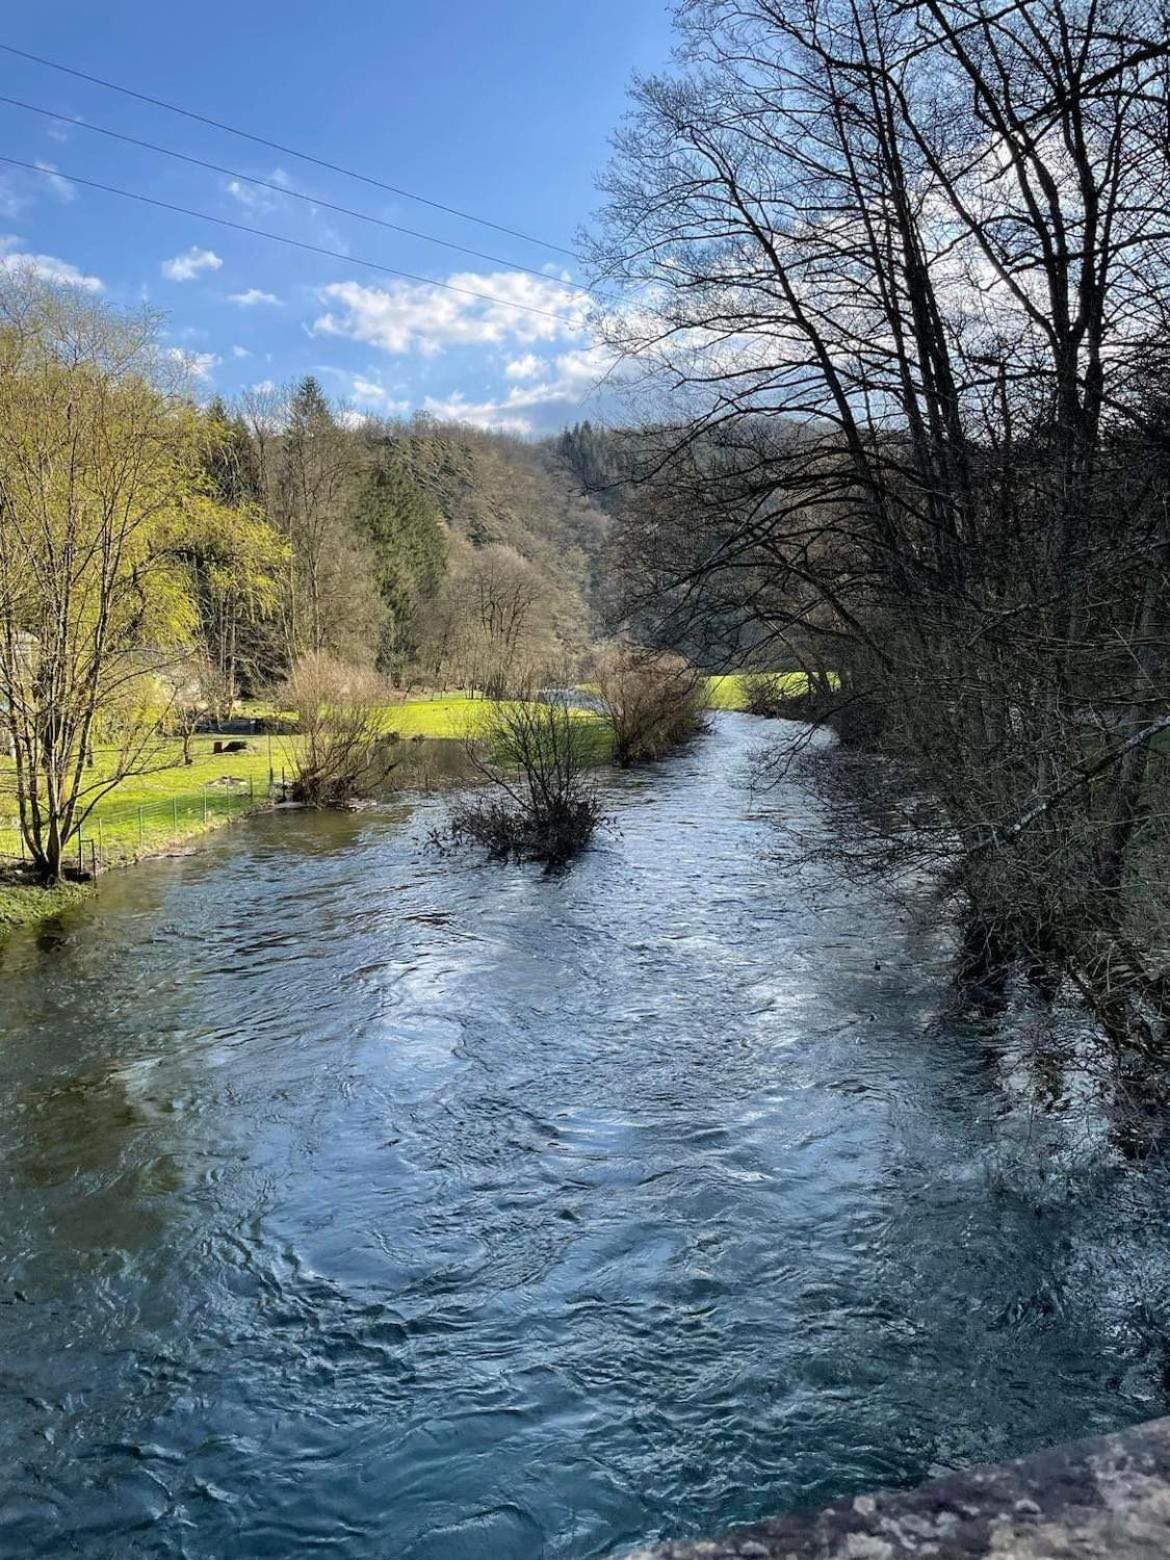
(286, 151)
(281, 238)
(281, 189)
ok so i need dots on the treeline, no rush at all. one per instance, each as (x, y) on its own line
(159, 560)
(432, 552)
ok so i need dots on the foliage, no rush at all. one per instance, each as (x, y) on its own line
(393, 534)
(491, 623)
(236, 561)
(408, 536)
(498, 491)
(102, 500)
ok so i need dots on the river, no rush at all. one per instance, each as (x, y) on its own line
(363, 1202)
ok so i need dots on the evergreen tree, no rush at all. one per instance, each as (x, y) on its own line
(409, 540)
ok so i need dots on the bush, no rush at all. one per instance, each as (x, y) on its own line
(858, 721)
(552, 833)
(542, 806)
(654, 700)
(339, 755)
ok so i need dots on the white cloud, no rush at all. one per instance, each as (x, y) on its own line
(58, 183)
(413, 316)
(253, 296)
(241, 352)
(568, 379)
(12, 200)
(198, 364)
(47, 267)
(255, 197)
(371, 393)
(250, 196)
(187, 266)
(526, 367)
(480, 414)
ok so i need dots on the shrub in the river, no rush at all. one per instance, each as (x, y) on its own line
(654, 700)
(540, 804)
(340, 753)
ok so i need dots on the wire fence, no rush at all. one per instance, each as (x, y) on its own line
(110, 839)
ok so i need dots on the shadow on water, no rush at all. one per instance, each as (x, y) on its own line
(361, 1202)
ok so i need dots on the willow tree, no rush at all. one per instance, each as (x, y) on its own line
(102, 489)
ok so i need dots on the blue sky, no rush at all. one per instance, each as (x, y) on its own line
(501, 110)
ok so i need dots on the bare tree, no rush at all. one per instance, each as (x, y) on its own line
(539, 804)
(652, 699)
(906, 268)
(491, 625)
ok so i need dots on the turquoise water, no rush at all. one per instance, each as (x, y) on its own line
(361, 1202)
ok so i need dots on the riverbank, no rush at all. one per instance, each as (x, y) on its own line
(728, 690)
(24, 904)
(175, 803)
(146, 815)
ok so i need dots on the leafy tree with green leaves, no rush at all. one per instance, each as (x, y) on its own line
(104, 500)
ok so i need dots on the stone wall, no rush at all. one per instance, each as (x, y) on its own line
(1102, 1499)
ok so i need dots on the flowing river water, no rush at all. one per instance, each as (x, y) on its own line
(362, 1202)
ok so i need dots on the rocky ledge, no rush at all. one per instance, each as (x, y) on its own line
(1101, 1499)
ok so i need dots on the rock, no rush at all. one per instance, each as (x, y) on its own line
(1101, 1499)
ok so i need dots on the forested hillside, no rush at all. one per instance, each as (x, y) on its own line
(429, 550)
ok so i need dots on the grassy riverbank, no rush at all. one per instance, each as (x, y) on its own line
(174, 802)
(23, 904)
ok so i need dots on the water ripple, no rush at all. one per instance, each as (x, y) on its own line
(358, 1202)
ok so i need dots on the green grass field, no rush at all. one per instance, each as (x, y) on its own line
(727, 692)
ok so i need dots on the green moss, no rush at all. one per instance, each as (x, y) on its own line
(23, 904)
